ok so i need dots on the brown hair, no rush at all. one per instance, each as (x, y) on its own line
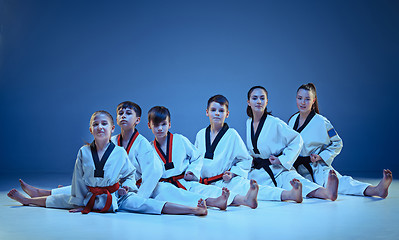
(312, 88)
(158, 114)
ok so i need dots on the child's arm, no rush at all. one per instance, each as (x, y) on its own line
(293, 143)
(151, 169)
(334, 148)
(193, 170)
(242, 159)
(78, 188)
(127, 174)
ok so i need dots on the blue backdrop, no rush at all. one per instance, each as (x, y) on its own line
(62, 60)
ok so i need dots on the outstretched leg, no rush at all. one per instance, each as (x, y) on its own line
(219, 202)
(330, 192)
(295, 194)
(17, 196)
(173, 208)
(251, 199)
(34, 191)
(381, 190)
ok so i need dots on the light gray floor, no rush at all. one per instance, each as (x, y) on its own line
(349, 217)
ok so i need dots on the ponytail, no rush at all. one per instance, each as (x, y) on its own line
(312, 88)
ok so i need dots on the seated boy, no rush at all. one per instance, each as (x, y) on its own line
(226, 161)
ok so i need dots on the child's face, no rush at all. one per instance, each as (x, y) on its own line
(160, 130)
(217, 113)
(126, 118)
(101, 127)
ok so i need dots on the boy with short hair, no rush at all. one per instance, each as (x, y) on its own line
(182, 166)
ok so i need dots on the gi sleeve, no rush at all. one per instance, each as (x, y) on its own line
(330, 151)
(127, 174)
(293, 143)
(78, 189)
(242, 159)
(151, 168)
(194, 157)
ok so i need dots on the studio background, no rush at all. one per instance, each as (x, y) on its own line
(62, 60)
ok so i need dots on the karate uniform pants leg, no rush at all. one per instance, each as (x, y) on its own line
(284, 178)
(165, 191)
(59, 201)
(61, 190)
(347, 185)
(134, 203)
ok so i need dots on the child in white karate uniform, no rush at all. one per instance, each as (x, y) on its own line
(103, 180)
(227, 161)
(182, 164)
(322, 144)
(274, 147)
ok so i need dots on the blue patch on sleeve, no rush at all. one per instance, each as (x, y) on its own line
(332, 132)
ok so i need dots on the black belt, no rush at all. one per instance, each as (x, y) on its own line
(259, 163)
(305, 161)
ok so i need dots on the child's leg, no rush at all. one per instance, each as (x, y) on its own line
(381, 189)
(295, 194)
(34, 191)
(173, 208)
(331, 190)
(250, 199)
(17, 196)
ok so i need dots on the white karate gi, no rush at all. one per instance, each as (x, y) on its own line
(320, 138)
(142, 157)
(275, 138)
(231, 154)
(148, 169)
(117, 167)
(185, 158)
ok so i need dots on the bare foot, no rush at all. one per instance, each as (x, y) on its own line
(29, 189)
(332, 185)
(60, 186)
(219, 202)
(381, 189)
(201, 209)
(17, 196)
(251, 199)
(296, 191)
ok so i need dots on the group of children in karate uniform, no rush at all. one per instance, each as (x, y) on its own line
(170, 175)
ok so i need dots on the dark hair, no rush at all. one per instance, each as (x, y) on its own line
(128, 104)
(311, 87)
(158, 114)
(249, 110)
(101, 112)
(222, 100)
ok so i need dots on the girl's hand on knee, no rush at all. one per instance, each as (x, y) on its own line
(123, 191)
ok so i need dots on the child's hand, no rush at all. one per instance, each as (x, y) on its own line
(123, 191)
(227, 176)
(315, 158)
(274, 160)
(75, 210)
(189, 176)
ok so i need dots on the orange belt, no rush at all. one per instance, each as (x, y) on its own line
(98, 191)
(174, 180)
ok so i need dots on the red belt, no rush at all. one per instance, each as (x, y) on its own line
(138, 182)
(210, 180)
(98, 191)
(174, 180)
